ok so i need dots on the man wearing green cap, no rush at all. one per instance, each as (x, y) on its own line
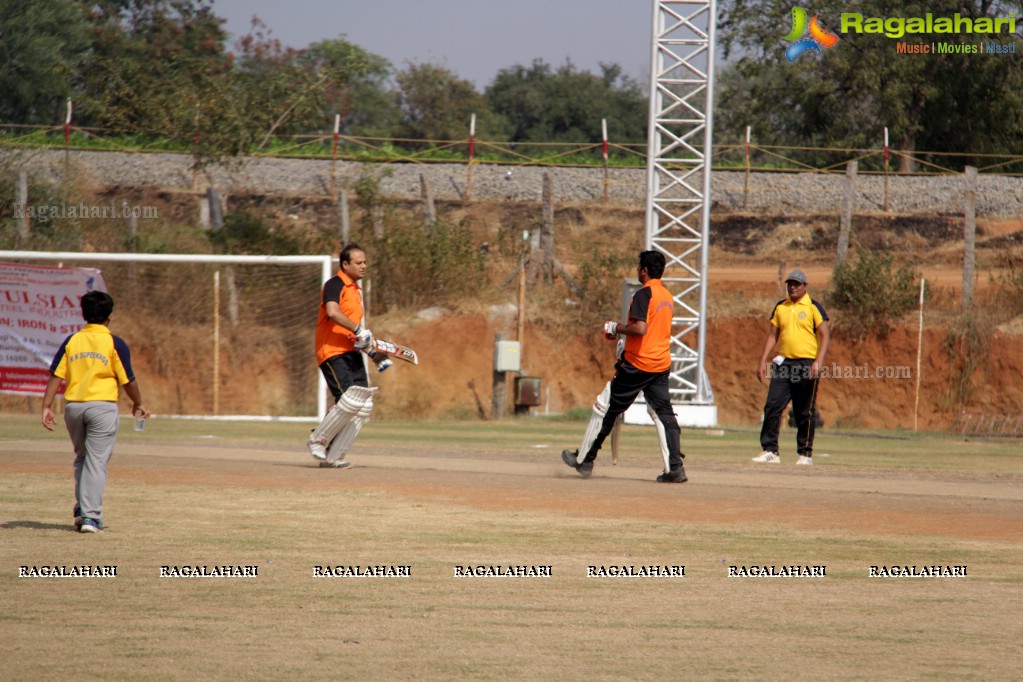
(799, 338)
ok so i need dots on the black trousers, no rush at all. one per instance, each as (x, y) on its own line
(625, 386)
(790, 381)
(344, 371)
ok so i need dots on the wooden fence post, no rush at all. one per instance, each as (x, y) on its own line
(845, 226)
(745, 189)
(342, 213)
(429, 208)
(21, 199)
(969, 235)
(541, 264)
(499, 397)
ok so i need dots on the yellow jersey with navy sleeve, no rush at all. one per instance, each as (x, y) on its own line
(797, 323)
(93, 364)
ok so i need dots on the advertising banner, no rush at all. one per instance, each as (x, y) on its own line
(39, 308)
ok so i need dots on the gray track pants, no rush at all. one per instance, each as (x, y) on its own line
(93, 429)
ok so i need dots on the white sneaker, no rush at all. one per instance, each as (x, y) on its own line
(336, 464)
(317, 449)
(803, 459)
(768, 456)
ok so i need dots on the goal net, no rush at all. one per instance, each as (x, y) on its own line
(213, 336)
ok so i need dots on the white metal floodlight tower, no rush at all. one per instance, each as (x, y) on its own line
(678, 188)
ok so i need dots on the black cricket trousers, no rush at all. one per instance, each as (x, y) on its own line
(625, 386)
(790, 381)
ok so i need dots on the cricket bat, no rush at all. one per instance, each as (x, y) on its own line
(616, 434)
(395, 350)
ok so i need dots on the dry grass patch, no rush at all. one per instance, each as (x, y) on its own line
(203, 503)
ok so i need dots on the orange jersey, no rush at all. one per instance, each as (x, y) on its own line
(652, 351)
(333, 339)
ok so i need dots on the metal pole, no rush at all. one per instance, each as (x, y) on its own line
(472, 154)
(216, 343)
(919, 354)
(326, 272)
(333, 154)
(607, 180)
(653, 150)
(702, 389)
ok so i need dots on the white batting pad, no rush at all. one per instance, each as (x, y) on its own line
(357, 406)
(662, 439)
(325, 432)
(596, 419)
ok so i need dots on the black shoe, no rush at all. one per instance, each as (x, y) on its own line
(674, 476)
(571, 458)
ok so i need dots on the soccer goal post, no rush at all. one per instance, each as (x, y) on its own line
(214, 336)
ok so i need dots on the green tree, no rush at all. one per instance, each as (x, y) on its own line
(847, 95)
(543, 104)
(41, 46)
(437, 105)
(361, 93)
(873, 291)
(158, 67)
(281, 91)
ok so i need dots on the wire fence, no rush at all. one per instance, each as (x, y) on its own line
(471, 150)
(989, 424)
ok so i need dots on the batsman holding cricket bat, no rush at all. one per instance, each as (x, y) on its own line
(340, 340)
(643, 366)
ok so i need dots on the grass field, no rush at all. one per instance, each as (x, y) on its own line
(437, 497)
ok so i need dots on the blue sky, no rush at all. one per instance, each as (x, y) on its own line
(472, 38)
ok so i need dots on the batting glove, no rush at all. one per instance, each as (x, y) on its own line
(610, 329)
(363, 338)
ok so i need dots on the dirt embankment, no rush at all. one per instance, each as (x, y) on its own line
(872, 383)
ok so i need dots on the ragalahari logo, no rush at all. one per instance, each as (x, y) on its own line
(819, 36)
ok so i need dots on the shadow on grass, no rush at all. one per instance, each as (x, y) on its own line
(36, 525)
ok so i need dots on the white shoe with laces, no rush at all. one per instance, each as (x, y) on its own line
(803, 459)
(768, 456)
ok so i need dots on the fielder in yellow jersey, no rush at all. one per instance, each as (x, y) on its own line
(798, 340)
(93, 364)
